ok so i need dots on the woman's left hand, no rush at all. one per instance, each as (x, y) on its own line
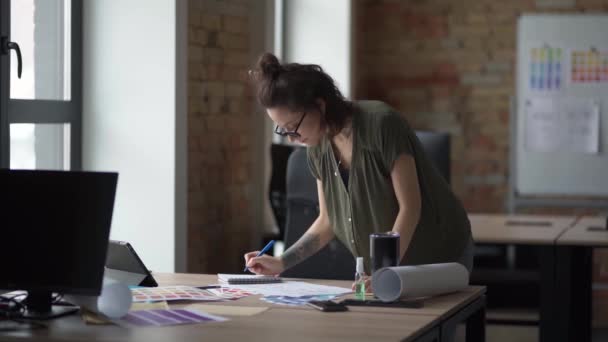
(368, 285)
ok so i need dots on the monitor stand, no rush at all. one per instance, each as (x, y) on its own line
(39, 305)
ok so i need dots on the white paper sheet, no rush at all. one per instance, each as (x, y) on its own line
(564, 125)
(292, 289)
(393, 283)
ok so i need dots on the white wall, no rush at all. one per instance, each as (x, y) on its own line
(319, 32)
(133, 124)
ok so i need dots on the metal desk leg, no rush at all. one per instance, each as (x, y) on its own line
(476, 326)
(548, 301)
(573, 293)
(474, 315)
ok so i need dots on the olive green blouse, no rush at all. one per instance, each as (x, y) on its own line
(368, 205)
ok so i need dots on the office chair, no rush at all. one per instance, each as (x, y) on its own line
(437, 147)
(279, 154)
(334, 261)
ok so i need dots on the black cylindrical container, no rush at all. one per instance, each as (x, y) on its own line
(384, 250)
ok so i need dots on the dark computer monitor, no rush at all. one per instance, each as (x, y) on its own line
(54, 229)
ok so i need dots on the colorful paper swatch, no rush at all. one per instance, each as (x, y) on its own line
(157, 318)
(170, 293)
(230, 293)
(589, 66)
(546, 68)
(292, 289)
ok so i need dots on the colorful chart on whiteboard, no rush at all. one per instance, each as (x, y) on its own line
(589, 66)
(546, 68)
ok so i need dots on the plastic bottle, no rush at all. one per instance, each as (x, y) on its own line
(360, 277)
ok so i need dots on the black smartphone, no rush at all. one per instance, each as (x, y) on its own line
(412, 304)
(327, 305)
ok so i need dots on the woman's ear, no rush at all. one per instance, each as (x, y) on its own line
(321, 105)
(322, 120)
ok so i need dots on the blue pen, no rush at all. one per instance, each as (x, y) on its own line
(264, 250)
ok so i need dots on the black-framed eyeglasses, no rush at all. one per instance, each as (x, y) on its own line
(294, 133)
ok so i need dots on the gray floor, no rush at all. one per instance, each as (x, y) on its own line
(500, 333)
(600, 334)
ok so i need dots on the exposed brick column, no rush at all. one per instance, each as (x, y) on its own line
(219, 140)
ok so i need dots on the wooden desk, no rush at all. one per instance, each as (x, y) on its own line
(439, 306)
(541, 231)
(574, 279)
(447, 310)
(518, 229)
(580, 234)
(279, 323)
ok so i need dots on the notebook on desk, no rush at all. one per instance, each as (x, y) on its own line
(247, 279)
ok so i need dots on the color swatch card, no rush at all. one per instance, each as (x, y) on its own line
(170, 293)
(292, 289)
(589, 66)
(159, 318)
(230, 293)
(546, 64)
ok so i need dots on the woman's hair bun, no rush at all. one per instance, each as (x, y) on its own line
(269, 65)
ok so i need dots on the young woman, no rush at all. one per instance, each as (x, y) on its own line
(372, 173)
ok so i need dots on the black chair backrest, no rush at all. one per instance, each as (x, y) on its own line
(334, 261)
(300, 183)
(437, 147)
(277, 193)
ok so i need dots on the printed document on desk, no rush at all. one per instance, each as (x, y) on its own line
(292, 289)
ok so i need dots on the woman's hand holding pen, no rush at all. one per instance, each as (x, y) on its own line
(264, 264)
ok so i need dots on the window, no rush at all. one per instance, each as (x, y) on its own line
(40, 110)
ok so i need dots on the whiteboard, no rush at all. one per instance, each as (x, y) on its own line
(557, 170)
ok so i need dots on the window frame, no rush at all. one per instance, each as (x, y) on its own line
(33, 111)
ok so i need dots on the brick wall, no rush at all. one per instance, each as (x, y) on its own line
(450, 66)
(219, 141)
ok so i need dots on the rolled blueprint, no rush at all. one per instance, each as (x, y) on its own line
(393, 283)
(114, 301)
